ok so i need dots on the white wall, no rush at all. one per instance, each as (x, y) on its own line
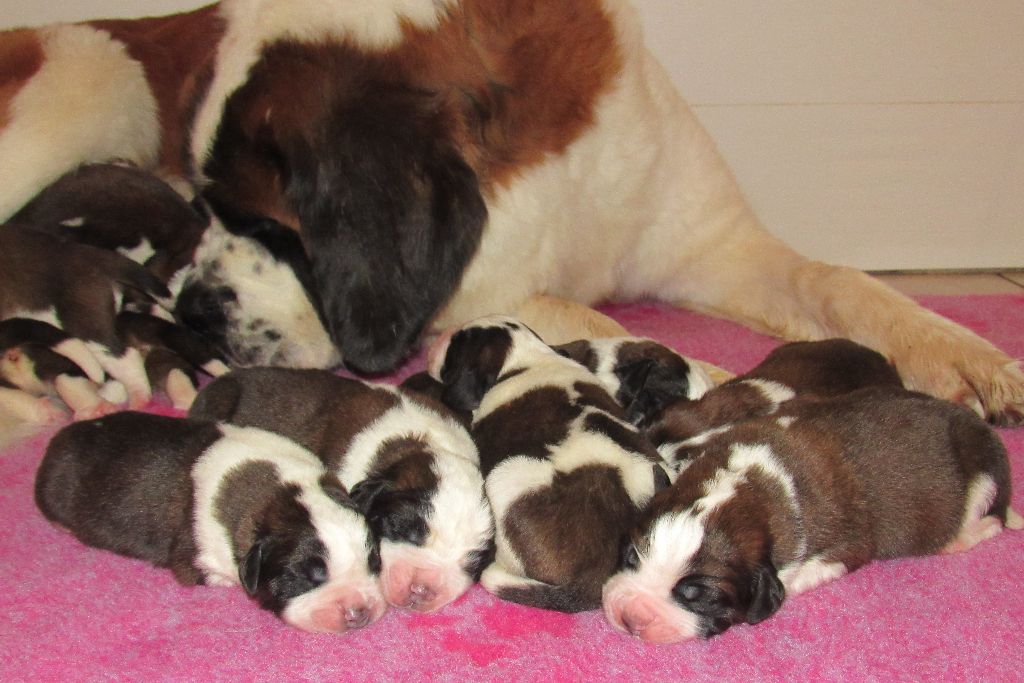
(874, 133)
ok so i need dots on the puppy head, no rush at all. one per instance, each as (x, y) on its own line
(368, 171)
(435, 538)
(643, 375)
(472, 359)
(245, 295)
(683, 575)
(313, 561)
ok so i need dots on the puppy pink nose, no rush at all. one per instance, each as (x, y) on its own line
(419, 594)
(357, 617)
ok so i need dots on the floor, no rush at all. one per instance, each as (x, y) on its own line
(913, 284)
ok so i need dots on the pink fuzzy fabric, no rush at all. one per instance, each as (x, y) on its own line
(73, 613)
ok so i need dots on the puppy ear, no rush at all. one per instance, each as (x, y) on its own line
(366, 492)
(391, 514)
(646, 387)
(391, 215)
(766, 593)
(250, 566)
(472, 364)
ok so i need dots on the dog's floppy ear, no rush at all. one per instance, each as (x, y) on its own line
(646, 387)
(390, 216)
(251, 565)
(766, 593)
(472, 364)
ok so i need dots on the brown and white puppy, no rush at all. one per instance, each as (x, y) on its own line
(643, 375)
(822, 369)
(566, 474)
(172, 354)
(217, 505)
(409, 464)
(77, 288)
(777, 505)
(123, 208)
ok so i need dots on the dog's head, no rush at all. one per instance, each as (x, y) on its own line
(698, 562)
(367, 172)
(643, 375)
(313, 561)
(471, 360)
(435, 536)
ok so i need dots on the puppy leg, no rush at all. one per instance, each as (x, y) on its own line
(82, 397)
(26, 407)
(754, 279)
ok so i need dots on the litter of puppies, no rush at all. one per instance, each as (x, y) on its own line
(610, 474)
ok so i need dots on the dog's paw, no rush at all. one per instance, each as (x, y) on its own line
(966, 369)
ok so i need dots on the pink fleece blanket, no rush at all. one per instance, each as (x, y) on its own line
(73, 613)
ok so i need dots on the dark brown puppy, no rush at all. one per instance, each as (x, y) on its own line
(78, 288)
(821, 369)
(123, 208)
(565, 473)
(410, 465)
(219, 505)
(777, 505)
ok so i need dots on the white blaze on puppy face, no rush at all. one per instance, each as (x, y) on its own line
(640, 601)
(351, 593)
(428, 576)
(351, 597)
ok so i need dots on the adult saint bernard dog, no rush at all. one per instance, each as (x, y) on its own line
(382, 169)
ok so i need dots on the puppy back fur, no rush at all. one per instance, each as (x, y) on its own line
(565, 473)
(123, 483)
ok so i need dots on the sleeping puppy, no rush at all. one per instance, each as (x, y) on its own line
(122, 208)
(777, 505)
(822, 369)
(565, 473)
(643, 375)
(217, 505)
(410, 466)
(172, 355)
(77, 288)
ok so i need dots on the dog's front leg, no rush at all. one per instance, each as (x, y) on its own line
(753, 278)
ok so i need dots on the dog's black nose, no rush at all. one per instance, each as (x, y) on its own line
(202, 309)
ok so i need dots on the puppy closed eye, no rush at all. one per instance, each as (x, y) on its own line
(314, 570)
(630, 557)
(689, 591)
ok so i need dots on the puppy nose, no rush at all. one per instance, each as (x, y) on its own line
(419, 594)
(357, 617)
(635, 623)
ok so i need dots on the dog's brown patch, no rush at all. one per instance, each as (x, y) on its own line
(176, 53)
(505, 83)
(524, 77)
(21, 56)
